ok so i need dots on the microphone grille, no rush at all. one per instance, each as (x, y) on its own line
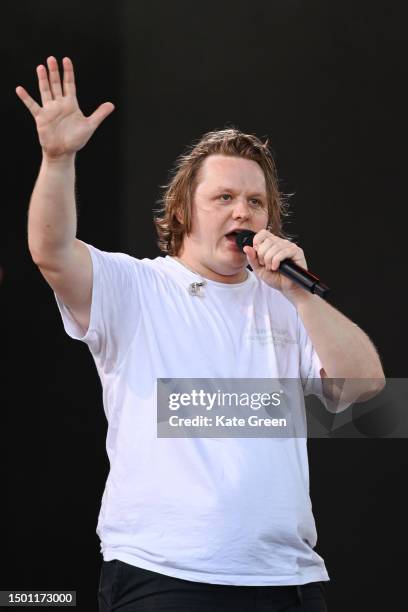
(244, 238)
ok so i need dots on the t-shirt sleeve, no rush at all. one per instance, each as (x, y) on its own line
(310, 367)
(310, 364)
(115, 311)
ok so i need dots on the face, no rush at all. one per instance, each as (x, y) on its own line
(230, 195)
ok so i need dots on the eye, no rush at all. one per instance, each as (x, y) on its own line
(225, 195)
(256, 202)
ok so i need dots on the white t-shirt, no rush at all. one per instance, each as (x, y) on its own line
(231, 511)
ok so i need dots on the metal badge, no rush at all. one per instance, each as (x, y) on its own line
(196, 289)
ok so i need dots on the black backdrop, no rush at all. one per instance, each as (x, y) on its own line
(323, 82)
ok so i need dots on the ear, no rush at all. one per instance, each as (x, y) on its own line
(179, 216)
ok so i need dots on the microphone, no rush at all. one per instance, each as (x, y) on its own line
(287, 267)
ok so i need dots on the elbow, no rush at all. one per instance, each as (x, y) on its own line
(48, 260)
(374, 386)
(378, 379)
(39, 259)
(379, 382)
(374, 381)
(37, 255)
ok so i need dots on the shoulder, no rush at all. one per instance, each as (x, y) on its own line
(117, 271)
(118, 260)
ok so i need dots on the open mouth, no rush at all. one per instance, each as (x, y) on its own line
(231, 239)
(231, 235)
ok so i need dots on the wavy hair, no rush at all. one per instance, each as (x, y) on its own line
(178, 194)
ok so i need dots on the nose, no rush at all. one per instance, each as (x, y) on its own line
(241, 209)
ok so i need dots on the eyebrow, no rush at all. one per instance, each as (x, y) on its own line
(259, 195)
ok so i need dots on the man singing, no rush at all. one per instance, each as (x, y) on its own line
(194, 523)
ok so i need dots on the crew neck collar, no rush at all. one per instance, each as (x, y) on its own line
(209, 281)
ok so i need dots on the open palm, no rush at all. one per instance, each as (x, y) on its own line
(62, 127)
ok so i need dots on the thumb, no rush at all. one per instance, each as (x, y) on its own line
(252, 257)
(100, 114)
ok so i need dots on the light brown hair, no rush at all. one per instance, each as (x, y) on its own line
(179, 192)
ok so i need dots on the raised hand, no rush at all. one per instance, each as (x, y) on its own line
(62, 127)
(265, 257)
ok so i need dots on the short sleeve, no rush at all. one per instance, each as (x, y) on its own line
(115, 311)
(309, 363)
(310, 367)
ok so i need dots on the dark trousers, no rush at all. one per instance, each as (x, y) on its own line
(126, 588)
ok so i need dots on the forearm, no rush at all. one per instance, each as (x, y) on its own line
(52, 219)
(343, 348)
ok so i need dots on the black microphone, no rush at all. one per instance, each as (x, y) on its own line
(304, 278)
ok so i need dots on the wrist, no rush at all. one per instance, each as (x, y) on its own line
(299, 297)
(64, 160)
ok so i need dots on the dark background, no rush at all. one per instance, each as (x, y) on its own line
(323, 81)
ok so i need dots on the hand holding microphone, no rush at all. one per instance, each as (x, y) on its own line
(269, 255)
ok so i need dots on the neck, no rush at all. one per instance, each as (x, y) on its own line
(236, 277)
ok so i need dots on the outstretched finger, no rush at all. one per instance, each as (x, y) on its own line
(55, 81)
(69, 78)
(43, 84)
(31, 104)
(100, 114)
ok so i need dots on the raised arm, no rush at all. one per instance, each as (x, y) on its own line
(63, 260)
